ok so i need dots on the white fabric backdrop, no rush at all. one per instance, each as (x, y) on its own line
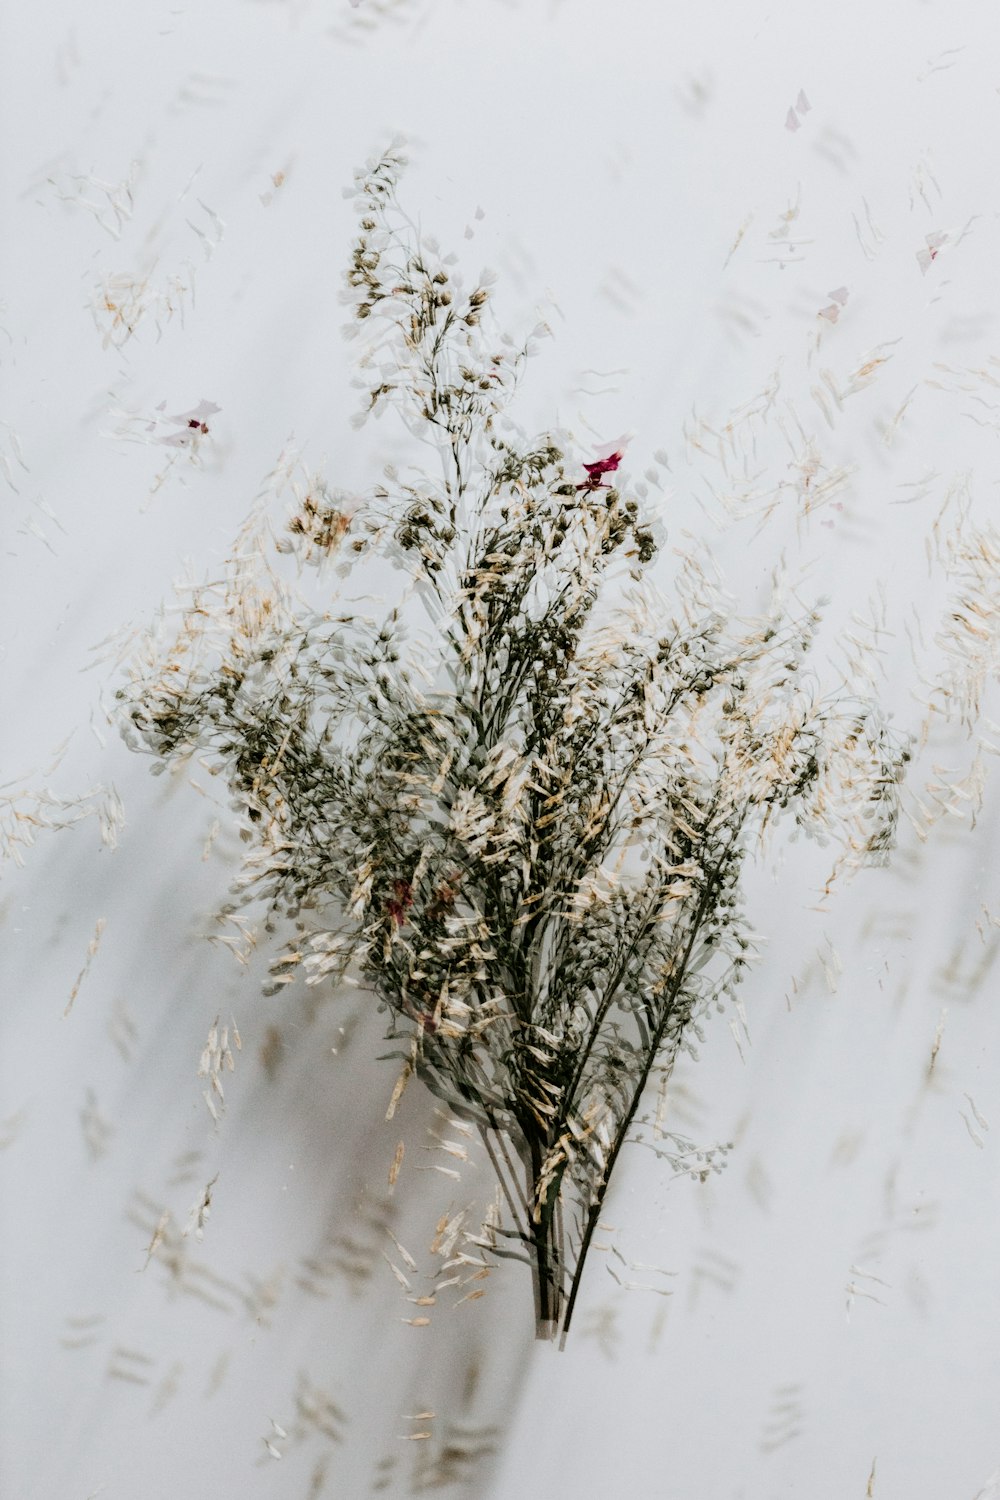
(642, 189)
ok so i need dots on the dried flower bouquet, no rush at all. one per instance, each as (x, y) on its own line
(521, 820)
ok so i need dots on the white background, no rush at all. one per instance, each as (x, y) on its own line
(616, 152)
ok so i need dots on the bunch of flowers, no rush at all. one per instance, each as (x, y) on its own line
(517, 805)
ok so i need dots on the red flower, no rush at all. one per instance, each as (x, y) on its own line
(600, 467)
(444, 900)
(403, 894)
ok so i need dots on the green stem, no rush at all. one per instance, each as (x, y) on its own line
(546, 1260)
(626, 1125)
